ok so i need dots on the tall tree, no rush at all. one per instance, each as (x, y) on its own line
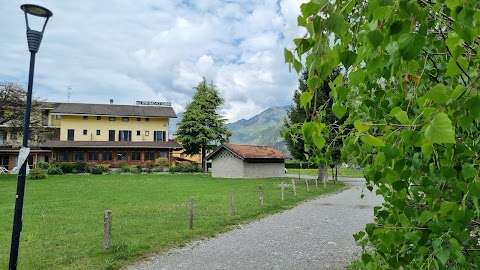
(201, 127)
(413, 99)
(12, 108)
(299, 114)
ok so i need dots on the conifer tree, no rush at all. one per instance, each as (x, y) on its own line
(201, 127)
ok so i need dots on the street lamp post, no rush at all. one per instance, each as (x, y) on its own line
(34, 39)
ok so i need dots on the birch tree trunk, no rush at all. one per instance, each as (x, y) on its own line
(323, 174)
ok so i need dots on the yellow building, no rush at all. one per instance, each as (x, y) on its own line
(101, 134)
(109, 134)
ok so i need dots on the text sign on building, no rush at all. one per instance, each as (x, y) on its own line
(154, 103)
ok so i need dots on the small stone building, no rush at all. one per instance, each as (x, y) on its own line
(247, 161)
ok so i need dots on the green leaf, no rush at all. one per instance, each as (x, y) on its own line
(396, 27)
(361, 127)
(375, 37)
(288, 55)
(309, 9)
(438, 94)
(339, 110)
(305, 99)
(369, 139)
(400, 115)
(348, 58)
(410, 45)
(312, 82)
(337, 24)
(453, 66)
(443, 256)
(427, 149)
(440, 130)
(468, 171)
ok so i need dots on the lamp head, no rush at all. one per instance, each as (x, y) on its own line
(36, 10)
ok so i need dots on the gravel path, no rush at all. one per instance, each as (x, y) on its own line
(314, 235)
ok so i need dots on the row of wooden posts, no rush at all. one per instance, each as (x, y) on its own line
(108, 213)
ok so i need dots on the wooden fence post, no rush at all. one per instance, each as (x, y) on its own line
(191, 213)
(294, 188)
(107, 229)
(316, 183)
(306, 183)
(260, 189)
(233, 203)
(283, 190)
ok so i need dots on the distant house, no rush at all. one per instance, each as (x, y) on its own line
(247, 161)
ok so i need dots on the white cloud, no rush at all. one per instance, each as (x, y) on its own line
(157, 50)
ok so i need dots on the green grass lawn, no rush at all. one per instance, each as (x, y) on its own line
(63, 215)
(342, 172)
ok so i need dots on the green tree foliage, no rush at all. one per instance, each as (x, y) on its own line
(297, 115)
(413, 102)
(201, 127)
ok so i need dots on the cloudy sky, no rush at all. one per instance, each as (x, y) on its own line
(156, 51)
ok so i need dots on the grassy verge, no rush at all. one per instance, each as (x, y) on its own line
(342, 172)
(63, 215)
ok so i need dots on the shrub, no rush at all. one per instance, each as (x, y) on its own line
(81, 167)
(66, 167)
(37, 173)
(161, 162)
(96, 170)
(54, 170)
(126, 168)
(43, 165)
(185, 166)
(150, 165)
(104, 167)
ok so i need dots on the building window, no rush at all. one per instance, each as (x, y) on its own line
(84, 132)
(147, 133)
(85, 118)
(111, 118)
(159, 135)
(149, 155)
(124, 135)
(125, 119)
(99, 118)
(163, 154)
(62, 156)
(139, 119)
(138, 132)
(77, 155)
(107, 156)
(147, 119)
(122, 155)
(58, 117)
(93, 155)
(3, 135)
(111, 135)
(135, 155)
(70, 134)
(98, 131)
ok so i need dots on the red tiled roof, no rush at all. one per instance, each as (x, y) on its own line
(112, 144)
(251, 152)
(114, 110)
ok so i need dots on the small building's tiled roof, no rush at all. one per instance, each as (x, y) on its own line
(251, 152)
(114, 110)
(112, 144)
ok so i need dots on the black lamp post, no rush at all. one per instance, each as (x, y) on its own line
(34, 39)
